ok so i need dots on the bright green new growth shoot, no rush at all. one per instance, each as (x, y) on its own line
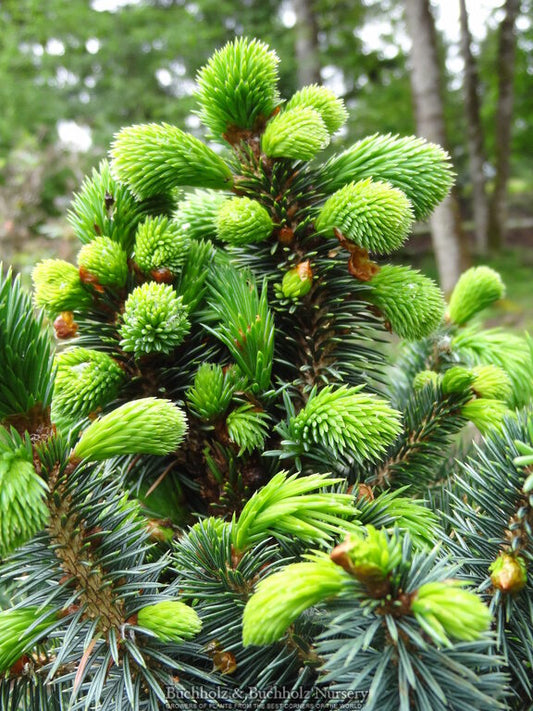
(490, 381)
(169, 156)
(154, 320)
(22, 493)
(349, 421)
(369, 555)
(281, 598)
(293, 506)
(445, 610)
(170, 620)
(247, 427)
(372, 215)
(25, 351)
(243, 221)
(411, 302)
(85, 380)
(237, 89)
(477, 288)
(146, 426)
(20, 629)
(58, 287)
(160, 244)
(211, 393)
(298, 133)
(396, 160)
(331, 109)
(104, 260)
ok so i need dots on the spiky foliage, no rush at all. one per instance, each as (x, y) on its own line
(425, 377)
(369, 555)
(155, 320)
(106, 207)
(297, 282)
(20, 629)
(526, 458)
(495, 561)
(476, 289)
(491, 382)
(196, 214)
(402, 599)
(347, 421)
(159, 244)
(221, 582)
(508, 351)
(396, 289)
(22, 492)
(389, 662)
(243, 221)
(58, 287)
(394, 159)
(390, 510)
(444, 610)
(375, 216)
(146, 426)
(105, 260)
(170, 620)
(210, 395)
(247, 427)
(431, 419)
(457, 379)
(191, 282)
(486, 414)
(25, 352)
(91, 616)
(331, 109)
(169, 156)
(237, 89)
(298, 133)
(246, 325)
(85, 381)
(281, 598)
(285, 507)
(223, 417)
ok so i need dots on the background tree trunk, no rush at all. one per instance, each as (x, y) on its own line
(307, 55)
(506, 62)
(448, 243)
(476, 152)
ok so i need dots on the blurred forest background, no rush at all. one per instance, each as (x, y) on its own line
(460, 72)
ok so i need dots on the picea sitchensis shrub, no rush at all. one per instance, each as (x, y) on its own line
(222, 487)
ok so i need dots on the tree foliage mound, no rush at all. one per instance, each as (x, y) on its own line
(218, 493)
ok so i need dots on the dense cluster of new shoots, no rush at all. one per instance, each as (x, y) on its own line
(214, 485)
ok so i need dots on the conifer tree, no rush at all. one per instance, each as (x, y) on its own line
(216, 491)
